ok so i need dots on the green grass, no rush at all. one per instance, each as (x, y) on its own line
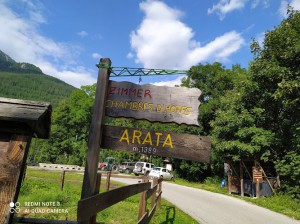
(280, 203)
(127, 211)
(210, 184)
(123, 212)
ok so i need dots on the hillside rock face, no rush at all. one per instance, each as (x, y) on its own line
(7, 64)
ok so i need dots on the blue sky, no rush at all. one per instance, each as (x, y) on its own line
(66, 38)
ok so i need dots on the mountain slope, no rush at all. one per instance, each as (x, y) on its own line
(7, 64)
(26, 81)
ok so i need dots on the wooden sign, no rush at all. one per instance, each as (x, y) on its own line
(257, 174)
(153, 103)
(181, 146)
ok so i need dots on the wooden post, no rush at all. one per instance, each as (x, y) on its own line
(153, 197)
(98, 183)
(108, 174)
(95, 133)
(242, 178)
(257, 182)
(159, 199)
(257, 189)
(11, 173)
(62, 180)
(229, 177)
(143, 202)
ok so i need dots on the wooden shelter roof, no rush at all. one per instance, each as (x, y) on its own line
(25, 117)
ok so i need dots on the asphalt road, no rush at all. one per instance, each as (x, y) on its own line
(211, 208)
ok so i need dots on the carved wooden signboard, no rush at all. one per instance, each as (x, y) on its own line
(257, 174)
(181, 146)
(153, 103)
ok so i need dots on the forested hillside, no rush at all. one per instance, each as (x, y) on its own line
(26, 81)
(7, 64)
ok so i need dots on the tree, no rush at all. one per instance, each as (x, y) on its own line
(276, 74)
(214, 80)
(236, 128)
(69, 130)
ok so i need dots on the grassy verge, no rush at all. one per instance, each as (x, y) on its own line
(47, 201)
(213, 185)
(280, 203)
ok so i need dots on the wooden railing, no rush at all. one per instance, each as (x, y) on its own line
(155, 194)
(89, 207)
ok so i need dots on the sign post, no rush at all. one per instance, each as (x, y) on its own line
(257, 177)
(153, 103)
(95, 134)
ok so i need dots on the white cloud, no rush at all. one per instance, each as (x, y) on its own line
(255, 3)
(226, 6)
(283, 8)
(96, 56)
(296, 4)
(284, 5)
(129, 55)
(21, 40)
(163, 41)
(35, 11)
(171, 83)
(75, 76)
(82, 34)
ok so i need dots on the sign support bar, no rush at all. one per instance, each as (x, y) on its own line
(95, 133)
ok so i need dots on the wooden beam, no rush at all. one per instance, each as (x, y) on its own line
(95, 133)
(42, 221)
(242, 178)
(62, 180)
(12, 166)
(229, 176)
(17, 116)
(143, 204)
(90, 206)
(250, 176)
(265, 175)
(45, 221)
(157, 143)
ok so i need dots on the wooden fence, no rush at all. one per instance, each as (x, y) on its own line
(89, 207)
(62, 180)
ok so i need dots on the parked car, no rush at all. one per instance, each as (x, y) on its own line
(161, 172)
(126, 167)
(142, 168)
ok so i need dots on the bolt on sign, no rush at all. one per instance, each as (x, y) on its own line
(153, 103)
(166, 144)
